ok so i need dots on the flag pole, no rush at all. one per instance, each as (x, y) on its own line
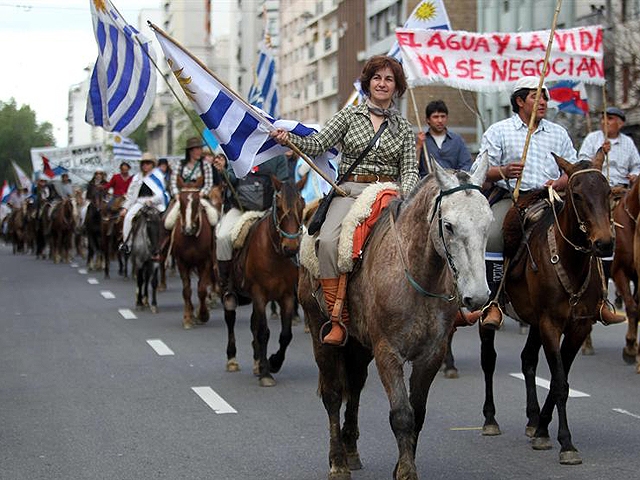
(424, 144)
(263, 121)
(606, 124)
(545, 65)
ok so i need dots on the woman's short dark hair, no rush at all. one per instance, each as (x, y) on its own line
(125, 164)
(377, 63)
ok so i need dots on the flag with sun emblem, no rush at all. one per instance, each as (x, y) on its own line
(428, 14)
(123, 82)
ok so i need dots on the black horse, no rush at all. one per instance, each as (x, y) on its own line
(145, 253)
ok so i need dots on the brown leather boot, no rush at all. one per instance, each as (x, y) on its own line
(492, 316)
(225, 281)
(335, 290)
(465, 319)
(608, 317)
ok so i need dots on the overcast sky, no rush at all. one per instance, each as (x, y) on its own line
(45, 46)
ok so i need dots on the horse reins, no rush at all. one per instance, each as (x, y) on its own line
(276, 223)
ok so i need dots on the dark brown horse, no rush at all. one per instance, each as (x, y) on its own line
(93, 228)
(17, 224)
(559, 298)
(62, 229)
(265, 270)
(192, 248)
(624, 269)
(111, 232)
(420, 264)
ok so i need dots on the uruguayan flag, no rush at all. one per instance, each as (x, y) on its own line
(155, 181)
(123, 82)
(5, 192)
(23, 179)
(125, 149)
(263, 93)
(428, 14)
(242, 130)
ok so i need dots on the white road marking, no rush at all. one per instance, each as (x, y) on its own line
(160, 347)
(107, 294)
(93, 281)
(82, 271)
(73, 265)
(127, 314)
(626, 412)
(541, 382)
(215, 401)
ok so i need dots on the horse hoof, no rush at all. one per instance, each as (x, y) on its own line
(187, 325)
(204, 317)
(154, 309)
(541, 443)
(451, 373)
(629, 354)
(306, 328)
(638, 367)
(570, 457)
(339, 476)
(275, 364)
(139, 308)
(353, 461)
(491, 430)
(529, 431)
(256, 368)
(267, 382)
(233, 365)
(588, 351)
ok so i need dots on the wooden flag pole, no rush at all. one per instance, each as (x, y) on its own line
(545, 65)
(606, 125)
(424, 144)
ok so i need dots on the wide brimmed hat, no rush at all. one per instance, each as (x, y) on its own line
(530, 83)
(193, 142)
(148, 157)
(616, 112)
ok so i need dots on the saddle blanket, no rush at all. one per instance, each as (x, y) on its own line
(241, 229)
(356, 227)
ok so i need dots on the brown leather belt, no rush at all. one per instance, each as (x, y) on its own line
(370, 178)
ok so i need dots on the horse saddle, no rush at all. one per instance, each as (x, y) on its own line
(240, 230)
(357, 225)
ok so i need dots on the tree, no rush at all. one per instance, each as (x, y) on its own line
(19, 133)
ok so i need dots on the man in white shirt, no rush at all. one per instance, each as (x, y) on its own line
(623, 158)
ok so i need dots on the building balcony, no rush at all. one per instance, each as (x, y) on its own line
(326, 46)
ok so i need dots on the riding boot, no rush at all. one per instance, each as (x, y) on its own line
(465, 319)
(609, 317)
(229, 299)
(335, 292)
(492, 316)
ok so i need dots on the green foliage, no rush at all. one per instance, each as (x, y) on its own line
(19, 133)
(183, 128)
(139, 136)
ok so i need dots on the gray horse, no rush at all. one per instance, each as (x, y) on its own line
(424, 260)
(145, 250)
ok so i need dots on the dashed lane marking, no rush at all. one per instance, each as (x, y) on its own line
(541, 382)
(215, 401)
(160, 347)
(92, 281)
(127, 314)
(464, 429)
(107, 294)
(82, 271)
(73, 265)
(626, 412)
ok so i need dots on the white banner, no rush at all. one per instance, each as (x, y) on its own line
(81, 160)
(486, 62)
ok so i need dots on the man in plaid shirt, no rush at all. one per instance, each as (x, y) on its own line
(503, 142)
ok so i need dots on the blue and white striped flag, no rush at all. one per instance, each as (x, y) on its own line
(123, 82)
(242, 130)
(428, 14)
(125, 149)
(263, 93)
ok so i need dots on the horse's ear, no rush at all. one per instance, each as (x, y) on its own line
(301, 183)
(565, 166)
(445, 179)
(277, 184)
(480, 173)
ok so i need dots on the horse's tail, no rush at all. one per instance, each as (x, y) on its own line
(636, 246)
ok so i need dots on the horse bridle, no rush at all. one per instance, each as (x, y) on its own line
(276, 221)
(190, 190)
(437, 208)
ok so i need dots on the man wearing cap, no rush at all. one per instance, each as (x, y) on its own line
(624, 161)
(146, 188)
(503, 143)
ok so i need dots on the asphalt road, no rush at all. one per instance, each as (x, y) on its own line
(86, 394)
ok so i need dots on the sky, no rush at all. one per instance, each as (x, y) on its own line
(45, 46)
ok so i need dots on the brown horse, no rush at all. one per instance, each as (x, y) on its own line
(264, 270)
(419, 265)
(192, 248)
(624, 269)
(62, 228)
(558, 296)
(93, 229)
(111, 234)
(17, 224)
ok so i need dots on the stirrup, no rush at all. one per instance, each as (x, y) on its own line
(485, 308)
(607, 304)
(329, 324)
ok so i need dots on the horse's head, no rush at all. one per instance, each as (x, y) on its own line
(588, 194)
(190, 211)
(287, 209)
(462, 218)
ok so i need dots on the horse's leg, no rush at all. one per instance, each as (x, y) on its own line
(357, 359)
(154, 287)
(296, 308)
(630, 349)
(422, 375)
(401, 415)
(286, 314)
(204, 281)
(260, 331)
(230, 320)
(139, 280)
(488, 358)
(450, 370)
(187, 317)
(529, 359)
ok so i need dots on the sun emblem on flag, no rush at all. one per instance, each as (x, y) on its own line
(183, 81)
(99, 4)
(426, 11)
